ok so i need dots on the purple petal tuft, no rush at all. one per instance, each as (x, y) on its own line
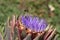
(34, 23)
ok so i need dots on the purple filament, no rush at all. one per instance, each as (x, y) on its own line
(34, 23)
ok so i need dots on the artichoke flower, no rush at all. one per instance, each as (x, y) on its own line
(31, 28)
(39, 28)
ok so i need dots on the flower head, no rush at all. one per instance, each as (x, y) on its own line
(34, 23)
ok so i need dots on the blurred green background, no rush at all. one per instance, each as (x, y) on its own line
(35, 7)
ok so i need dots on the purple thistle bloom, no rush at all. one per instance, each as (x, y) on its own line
(34, 23)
